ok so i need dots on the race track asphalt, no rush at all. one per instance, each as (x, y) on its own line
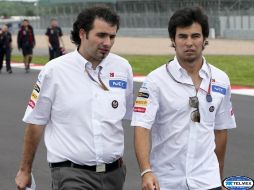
(15, 90)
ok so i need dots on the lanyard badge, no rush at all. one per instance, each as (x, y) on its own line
(100, 83)
(208, 95)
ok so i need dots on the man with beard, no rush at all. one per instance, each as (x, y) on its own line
(80, 99)
(185, 106)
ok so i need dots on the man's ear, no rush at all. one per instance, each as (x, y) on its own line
(205, 42)
(82, 33)
(173, 43)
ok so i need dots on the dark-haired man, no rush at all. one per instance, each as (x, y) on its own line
(80, 99)
(5, 48)
(185, 105)
(26, 42)
(54, 37)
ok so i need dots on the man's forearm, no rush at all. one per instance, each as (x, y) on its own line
(220, 150)
(33, 134)
(142, 147)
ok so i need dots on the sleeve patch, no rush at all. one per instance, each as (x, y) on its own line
(143, 95)
(35, 95)
(139, 109)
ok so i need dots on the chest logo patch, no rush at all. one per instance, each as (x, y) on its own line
(219, 89)
(211, 109)
(114, 104)
(118, 84)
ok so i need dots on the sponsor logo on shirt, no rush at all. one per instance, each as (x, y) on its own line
(31, 103)
(139, 102)
(144, 85)
(211, 109)
(114, 104)
(143, 95)
(37, 88)
(118, 75)
(139, 109)
(238, 182)
(118, 84)
(34, 96)
(219, 89)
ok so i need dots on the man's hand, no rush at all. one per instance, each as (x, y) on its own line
(23, 180)
(150, 182)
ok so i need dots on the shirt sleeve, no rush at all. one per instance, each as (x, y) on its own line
(225, 118)
(146, 105)
(39, 106)
(129, 95)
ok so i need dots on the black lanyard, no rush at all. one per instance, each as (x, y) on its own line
(100, 83)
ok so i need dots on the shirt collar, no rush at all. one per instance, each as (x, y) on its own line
(204, 72)
(180, 73)
(85, 62)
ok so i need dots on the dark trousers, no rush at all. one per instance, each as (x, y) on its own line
(68, 178)
(7, 53)
(54, 52)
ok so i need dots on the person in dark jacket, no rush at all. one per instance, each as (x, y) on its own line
(54, 37)
(26, 42)
(5, 48)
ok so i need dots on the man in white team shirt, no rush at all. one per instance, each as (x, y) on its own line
(80, 99)
(185, 106)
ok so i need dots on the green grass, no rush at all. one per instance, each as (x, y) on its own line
(240, 69)
(36, 59)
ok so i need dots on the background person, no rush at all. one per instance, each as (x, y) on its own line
(26, 42)
(54, 37)
(80, 99)
(185, 106)
(5, 48)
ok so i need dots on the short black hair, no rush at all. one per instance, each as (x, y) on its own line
(186, 17)
(85, 20)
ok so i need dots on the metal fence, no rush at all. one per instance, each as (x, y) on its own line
(228, 18)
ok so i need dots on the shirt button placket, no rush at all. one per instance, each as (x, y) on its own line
(96, 124)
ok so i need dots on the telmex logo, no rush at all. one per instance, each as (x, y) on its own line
(238, 183)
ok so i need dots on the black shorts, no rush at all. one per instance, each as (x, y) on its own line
(27, 51)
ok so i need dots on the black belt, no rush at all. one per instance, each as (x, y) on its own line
(97, 168)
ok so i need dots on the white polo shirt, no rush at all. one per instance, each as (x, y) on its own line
(83, 121)
(182, 154)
